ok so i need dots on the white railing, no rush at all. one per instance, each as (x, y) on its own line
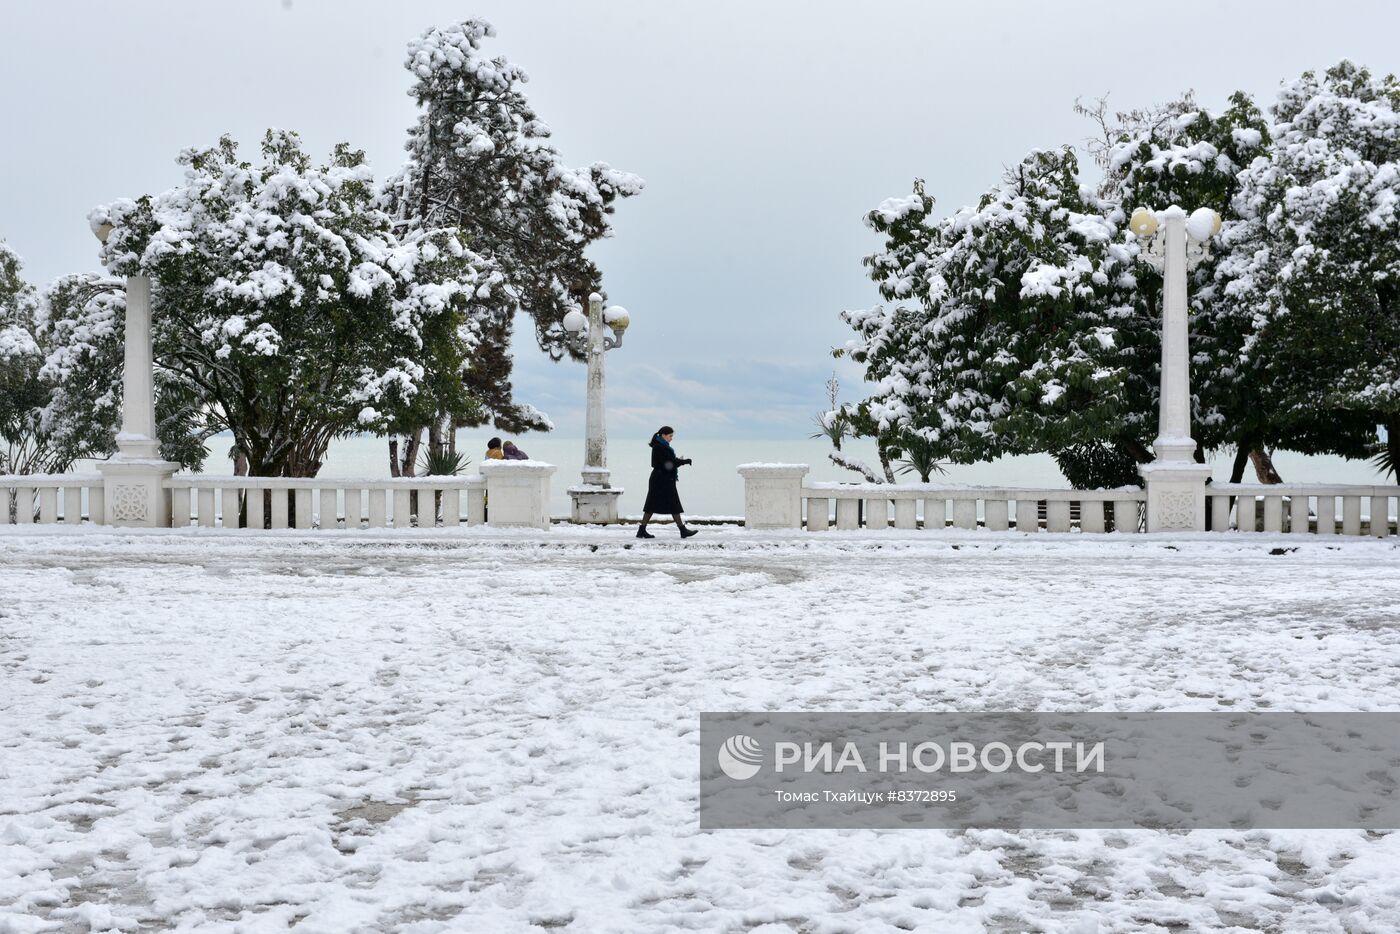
(326, 502)
(51, 498)
(778, 496)
(1302, 508)
(937, 506)
(135, 493)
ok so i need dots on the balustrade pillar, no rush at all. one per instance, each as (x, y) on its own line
(773, 495)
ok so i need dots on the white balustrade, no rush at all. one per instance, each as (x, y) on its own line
(52, 498)
(305, 503)
(964, 513)
(771, 490)
(1303, 504)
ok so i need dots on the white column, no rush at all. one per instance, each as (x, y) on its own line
(134, 479)
(138, 434)
(595, 442)
(1176, 484)
(1174, 442)
(594, 501)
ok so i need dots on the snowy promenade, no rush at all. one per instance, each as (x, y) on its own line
(496, 732)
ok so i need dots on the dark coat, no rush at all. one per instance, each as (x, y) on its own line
(661, 489)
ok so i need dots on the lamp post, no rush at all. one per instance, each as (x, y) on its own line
(595, 499)
(134, 478)
(1173, 244)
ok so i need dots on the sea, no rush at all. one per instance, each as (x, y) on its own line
(712, 485)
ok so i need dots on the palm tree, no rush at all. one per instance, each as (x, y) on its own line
(833, 424)
(441, 461)
(920, 456)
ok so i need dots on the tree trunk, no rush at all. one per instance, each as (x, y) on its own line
(409, 469)
(1264, 466)
(394, 457)
(884, 459)
(1135, 449)
(435, 435)
(410, 454)
(1241, 458)
(240, 463)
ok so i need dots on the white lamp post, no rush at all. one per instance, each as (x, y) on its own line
(134, 478)
(1174, 244)
(595, 499)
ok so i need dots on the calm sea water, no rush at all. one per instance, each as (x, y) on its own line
(712, 487)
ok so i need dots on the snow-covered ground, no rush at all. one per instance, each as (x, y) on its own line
(496, 732)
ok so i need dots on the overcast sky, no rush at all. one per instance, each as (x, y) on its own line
(764, 131)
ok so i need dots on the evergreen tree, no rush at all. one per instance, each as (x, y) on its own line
(22, 394)
(1031, 324)
(482, 161)
(1313, 276)
(289, 306)
(1185, 155)
(1010, 334)
(61, 360)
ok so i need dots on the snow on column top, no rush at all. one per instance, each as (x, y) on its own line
(773, 470)
(494, 466)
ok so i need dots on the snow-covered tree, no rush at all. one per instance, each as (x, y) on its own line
(287, 303)
(82, 328)
(60, 376)
(1030, 323)
(1009, 334)
(1186, 155)
(481, 160)
(1313, 275)
(22, 394)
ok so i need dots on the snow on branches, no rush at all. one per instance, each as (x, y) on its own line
(481, 159)
(60, 375)
(1313, 272)
(1027, 323)
(1009, 316)
(289, 302)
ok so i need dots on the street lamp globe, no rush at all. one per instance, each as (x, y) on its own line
(617, 318)
(1143, 223)
(1203, 224)
(575, 321)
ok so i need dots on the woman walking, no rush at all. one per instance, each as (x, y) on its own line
(661, 489)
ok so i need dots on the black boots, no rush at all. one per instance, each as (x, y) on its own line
(643, 533)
